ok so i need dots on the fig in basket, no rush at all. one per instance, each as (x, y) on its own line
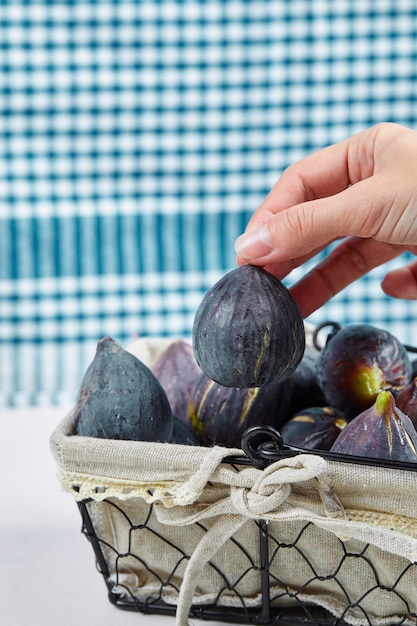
(314, 428)
(183, 434)
(248, 330)
(177, 370)
(383, 431)
(357, 362)
(220, 415)
(120, 398)
(407, 401)
(306, 391)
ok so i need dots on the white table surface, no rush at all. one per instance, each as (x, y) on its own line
(47, 567)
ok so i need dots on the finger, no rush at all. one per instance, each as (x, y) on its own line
(305, 228)
(282, 269)
(402, 282)
(352, 258)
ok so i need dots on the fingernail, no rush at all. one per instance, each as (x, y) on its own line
(255, 243)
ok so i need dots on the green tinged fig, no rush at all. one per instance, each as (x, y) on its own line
(248, 330)
(314, 428)
(177, 370)
(220, 415)
(382, 431)
(120, 398)
(358, 362)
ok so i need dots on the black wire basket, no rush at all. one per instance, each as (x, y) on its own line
(278, 601)
(297, 569)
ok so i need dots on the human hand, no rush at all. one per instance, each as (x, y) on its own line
(362, 191)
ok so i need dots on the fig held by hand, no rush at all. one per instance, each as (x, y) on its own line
(248, 330)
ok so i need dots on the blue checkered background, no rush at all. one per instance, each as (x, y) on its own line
(136, 139)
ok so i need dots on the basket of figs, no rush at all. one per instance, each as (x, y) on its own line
(261, 471)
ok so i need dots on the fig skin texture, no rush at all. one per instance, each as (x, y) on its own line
(306, 391)
(220, 415)
(183, 434)
(413, 368)
(358, 362)
(314, 428)
(176, 369)
(407, 401)
(248, 330)
(383, 431)
(120, 398)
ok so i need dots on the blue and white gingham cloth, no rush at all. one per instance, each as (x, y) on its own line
(137, 138)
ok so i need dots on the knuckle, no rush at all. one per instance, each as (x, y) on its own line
(298, 221)
(327, 285)
(356, 259)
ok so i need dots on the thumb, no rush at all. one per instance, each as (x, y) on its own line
(402, 282)
(303, 229)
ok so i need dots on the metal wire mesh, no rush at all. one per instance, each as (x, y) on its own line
(148, 579)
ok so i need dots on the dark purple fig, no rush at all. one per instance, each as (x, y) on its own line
(183, 434)
(248, 330)
(382, 431)
(359, 361)
(306, 390)
(407, 401)
(120, 398)
(177, 370)
(220, 415)
(314, 428)
(413, 368)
